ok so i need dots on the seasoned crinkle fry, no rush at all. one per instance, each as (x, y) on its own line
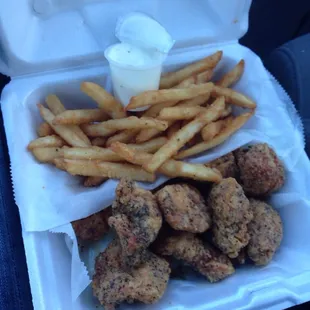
(44, 130)
(56, 108)
(171, 168)
(47, 141)
(157, 96)
(63, 131)
(235, 124)
(94, 181)
(180, 113)
(232, 76)
(47, 154)
(104, 100)
(233, 97)
(184, 135)
(172, 78)
(107, 169)
(77, 117)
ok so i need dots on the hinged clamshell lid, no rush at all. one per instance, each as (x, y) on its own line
(44, 35)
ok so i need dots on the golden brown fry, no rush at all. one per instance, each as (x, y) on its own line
(233, 97)
(97, 130)
(59, 163)
(157, 96)
(171, 168)
(212, 129)
(104, 100)
(184, 135)
(44, 130)
(236, 124)
(99, 141)
(77, 117)
(173, 129)
(47, 141)
(232, 76)
(124, 136)
(63, 131)
(197, 101)
(47, 154)
(107, 169)
(172, 78)
(104, 154)
(133, 122)
(56, 108)
(94, 181)
(180, 113)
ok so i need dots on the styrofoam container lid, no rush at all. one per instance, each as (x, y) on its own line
(45, 35)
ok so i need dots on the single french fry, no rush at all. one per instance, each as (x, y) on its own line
(94, 181)
(47, 154)
(104, 100)
(107, 169)
(77, 117)
(233, 97)
(235, 125)
(150, 146)
(171, 168)
(133, 122)
(124, 136)
(175, 94)
(212, 129)
(172, 78)
(97, 130)
(184, 135)
(204, 77)
(56, 108)
(59, 163)
(180, 113)
(47, 141)
(173, 129)
(194, 102)
(232, 76)
(99, 141)
(63, 131)
(44, 130)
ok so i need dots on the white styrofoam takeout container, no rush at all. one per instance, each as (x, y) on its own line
(51, 46)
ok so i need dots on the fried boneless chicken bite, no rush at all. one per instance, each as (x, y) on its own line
(184, 208)
(231, 215)
(188, 248)
(266, 232)
(136, 217)
(261, 171)
(93, 227)
(226, 165)
(113, 283)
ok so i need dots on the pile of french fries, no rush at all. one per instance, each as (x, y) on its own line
(188, 115)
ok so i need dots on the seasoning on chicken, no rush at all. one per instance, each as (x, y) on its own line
(113, 283)
(261, 171)
(136, 217)
(265, 231)
(93, 227)
(201, 256)
(184, 208)
(231, 216)
(226, 165)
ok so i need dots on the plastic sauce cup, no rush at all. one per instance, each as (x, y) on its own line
(133, 70)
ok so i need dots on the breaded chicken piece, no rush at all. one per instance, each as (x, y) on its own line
(204, 258)
(184, 208)
(261, 171)
(93, 227)
(266, 232)
(231, 216)
(113, 283)
(136, 217)
(226, 165)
